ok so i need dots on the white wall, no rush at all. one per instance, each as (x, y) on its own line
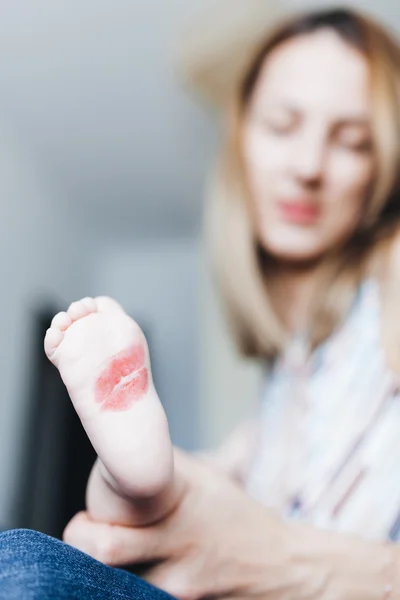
(157, 282)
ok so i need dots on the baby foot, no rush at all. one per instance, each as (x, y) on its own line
(103, 359)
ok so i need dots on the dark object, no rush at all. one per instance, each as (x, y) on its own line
(59, 456)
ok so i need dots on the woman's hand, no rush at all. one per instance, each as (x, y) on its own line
(218, 542)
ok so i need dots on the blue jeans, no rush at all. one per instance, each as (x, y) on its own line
(34, 566)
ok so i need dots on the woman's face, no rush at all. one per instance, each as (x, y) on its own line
(307, 146)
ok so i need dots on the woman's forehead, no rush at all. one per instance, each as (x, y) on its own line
(317, 71)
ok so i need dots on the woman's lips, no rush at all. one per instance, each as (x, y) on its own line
(298, 211)
(123, 381)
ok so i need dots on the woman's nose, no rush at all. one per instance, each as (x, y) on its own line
(308, 160)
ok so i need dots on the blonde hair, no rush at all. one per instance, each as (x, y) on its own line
(241, 265)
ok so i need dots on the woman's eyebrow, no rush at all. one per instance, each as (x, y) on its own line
(358, 119)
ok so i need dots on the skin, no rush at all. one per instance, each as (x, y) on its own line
(220, 543)
(307, 140)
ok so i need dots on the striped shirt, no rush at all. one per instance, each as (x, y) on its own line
(328, 449)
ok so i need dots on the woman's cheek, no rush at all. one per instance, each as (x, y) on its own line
(351, 175)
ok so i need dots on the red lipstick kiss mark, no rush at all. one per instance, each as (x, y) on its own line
(123, 381)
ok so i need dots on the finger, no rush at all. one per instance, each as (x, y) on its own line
(115, 545)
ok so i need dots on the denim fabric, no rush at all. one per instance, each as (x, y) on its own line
(34, 566)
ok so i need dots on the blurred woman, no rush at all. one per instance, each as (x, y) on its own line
(305, 226)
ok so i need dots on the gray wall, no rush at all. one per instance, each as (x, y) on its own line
(89, 87)
(101, 181)
(102, 166)
(38, 263)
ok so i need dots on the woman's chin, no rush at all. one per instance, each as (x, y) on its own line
(296, 254)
